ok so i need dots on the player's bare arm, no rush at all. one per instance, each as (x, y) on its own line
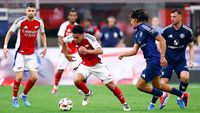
(191, 54)
(97, 51)
(5, 48)
(60, 38)
(131, 52)
(163, 61)
(43, 38)
(65, 50)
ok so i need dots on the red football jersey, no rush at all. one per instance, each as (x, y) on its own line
(89, 42)
(27, 34)
(65, 30)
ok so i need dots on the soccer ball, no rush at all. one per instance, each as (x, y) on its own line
(65, 104)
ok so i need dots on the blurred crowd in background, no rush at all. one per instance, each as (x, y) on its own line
(108, 22)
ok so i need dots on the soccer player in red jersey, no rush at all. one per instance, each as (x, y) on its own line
(89, 50)
(28, 27)
(65, 30)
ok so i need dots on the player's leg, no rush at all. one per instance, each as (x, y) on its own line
(16, 87)
(164, 98)
(101, 72)
(170, 89)
(18, 69)
(62, 64)
(75, 64)
(57, 78)
(117, 92)
(166, 74)
(81, 73)
(182, 72)
(32, 66)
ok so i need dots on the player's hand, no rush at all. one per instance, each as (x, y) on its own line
(120, 56)
(83, 50)
(5, 52)
(163, 62)
(70, 58)
(191, 64)
(43, 53)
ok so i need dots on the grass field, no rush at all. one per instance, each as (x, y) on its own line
(103, 100)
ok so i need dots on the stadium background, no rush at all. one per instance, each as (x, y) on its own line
(54, 13)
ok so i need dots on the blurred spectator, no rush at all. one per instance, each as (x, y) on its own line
(90, 28)
(111, 35)
(155, 24)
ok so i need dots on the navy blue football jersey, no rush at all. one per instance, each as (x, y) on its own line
(145, 37)
(176, 42)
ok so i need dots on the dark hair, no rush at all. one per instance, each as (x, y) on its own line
(73, 10)
(30, 4)
(77, 29)
(140, 14)
(176, 10)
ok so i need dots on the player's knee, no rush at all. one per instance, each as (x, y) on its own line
(185, 79)
(18, 79)
(139, 86)
(184, 76)
(34, 78)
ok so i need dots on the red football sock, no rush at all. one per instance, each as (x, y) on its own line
(28, 86)
(58, 77)
(81, 85)
(16, 88)
(117, 92)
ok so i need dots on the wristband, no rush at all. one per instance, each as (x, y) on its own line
(5, 46)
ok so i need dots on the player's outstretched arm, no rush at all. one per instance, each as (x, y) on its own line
(7, 38)
(132, 52)
(191, 54)
(43, 38)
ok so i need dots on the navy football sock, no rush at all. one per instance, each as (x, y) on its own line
(183, 86)
(176, 92)
(154, 99)
(156, 92)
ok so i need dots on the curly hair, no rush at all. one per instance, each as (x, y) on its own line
(140, 14)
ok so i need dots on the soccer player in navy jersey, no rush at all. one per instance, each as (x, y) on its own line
(145, 39)
(178, 36)
(27, 27)
(90, 50)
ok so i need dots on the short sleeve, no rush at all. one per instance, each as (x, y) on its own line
(92, 40)
(61, 31)
(42, 26)
(140, 37)
(14, 26)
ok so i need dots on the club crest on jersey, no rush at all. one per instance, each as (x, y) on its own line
(182, 35)
(87, 45)
(36, 27)
(68, 30)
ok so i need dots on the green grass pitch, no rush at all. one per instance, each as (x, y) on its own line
(103, 101)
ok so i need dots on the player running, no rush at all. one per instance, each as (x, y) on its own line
(178, 36)
(65, 30)
(25, 58)
(89, 50)
(145, 39)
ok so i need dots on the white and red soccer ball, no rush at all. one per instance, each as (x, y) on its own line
(65, 104)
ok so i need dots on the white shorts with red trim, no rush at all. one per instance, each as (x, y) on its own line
(99, 70)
